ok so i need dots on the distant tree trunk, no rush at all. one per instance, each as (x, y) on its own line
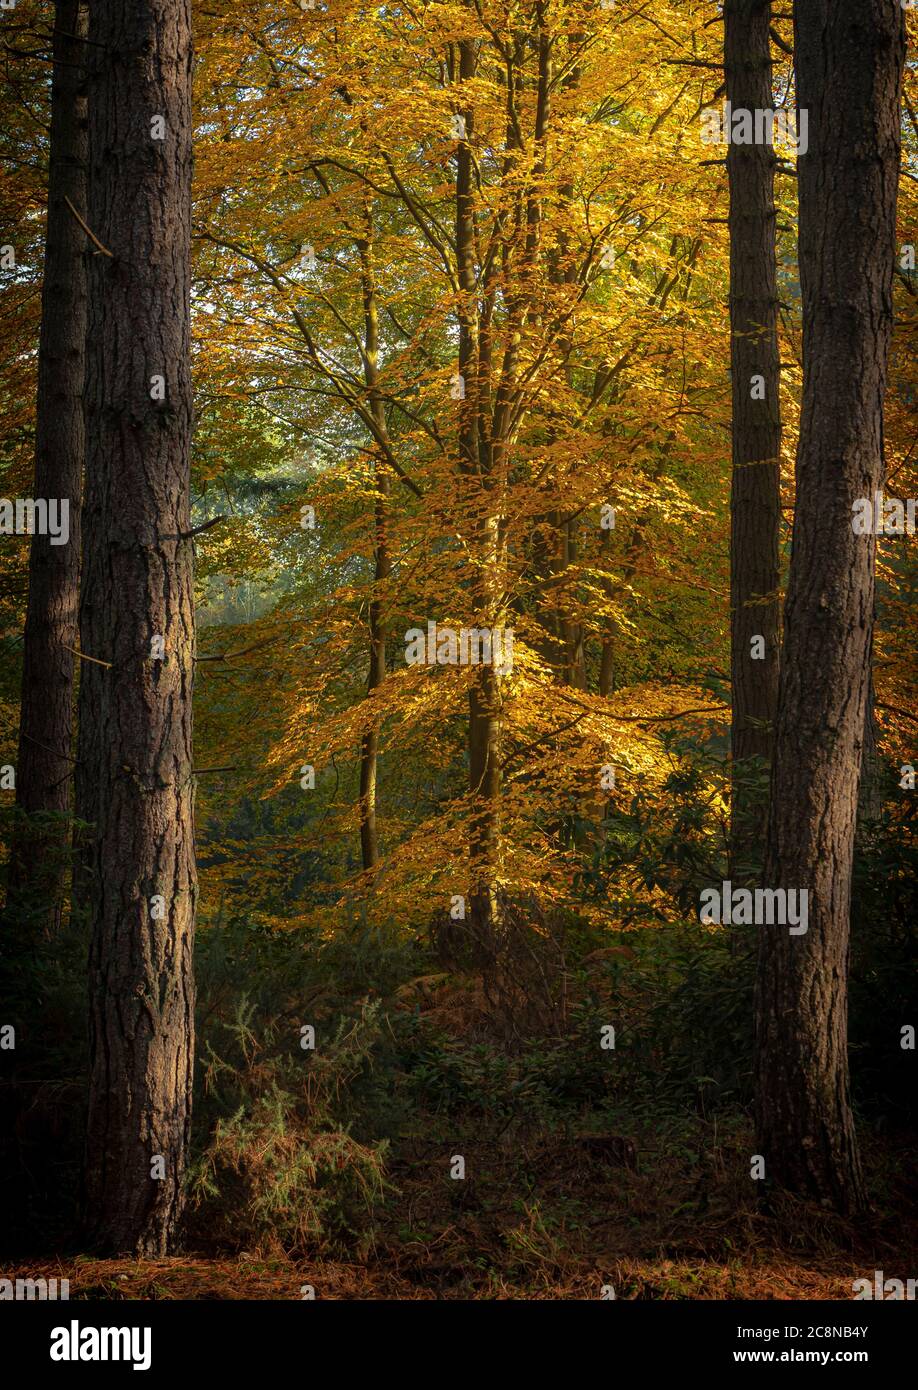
(557, 550)
(606, 677)
(369, 748)
(573, 653)
(138, 615)
(849, 59)
(485, 788)
(37, 870)
(755, 500)
(611, 589)
(474, 463)
(382, 565)
(870, 791)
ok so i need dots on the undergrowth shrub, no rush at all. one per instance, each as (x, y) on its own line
(279, 1171)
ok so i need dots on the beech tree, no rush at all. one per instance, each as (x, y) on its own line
(137, 625)
(849, 59)
(499, 329)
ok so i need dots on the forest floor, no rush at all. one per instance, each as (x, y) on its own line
(655, 1233)
(572, 1183)
(769, 1276)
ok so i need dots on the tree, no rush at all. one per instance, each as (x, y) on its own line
(849, 58)
(542, 350)
(755, 498)
(137, 626)
(36, 874)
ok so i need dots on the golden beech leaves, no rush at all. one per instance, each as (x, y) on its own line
(460, 300)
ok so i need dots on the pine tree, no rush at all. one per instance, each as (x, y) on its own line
(137, 626)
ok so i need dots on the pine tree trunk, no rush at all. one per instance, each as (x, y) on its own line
(135, 714)
(755, 500)
(37, 871)
(849, 57)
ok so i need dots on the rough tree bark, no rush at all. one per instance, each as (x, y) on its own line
(755, 495)
(137, 614)
(36, 878)
(849, 58)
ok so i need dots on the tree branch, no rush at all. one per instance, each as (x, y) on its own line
(91, 234)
